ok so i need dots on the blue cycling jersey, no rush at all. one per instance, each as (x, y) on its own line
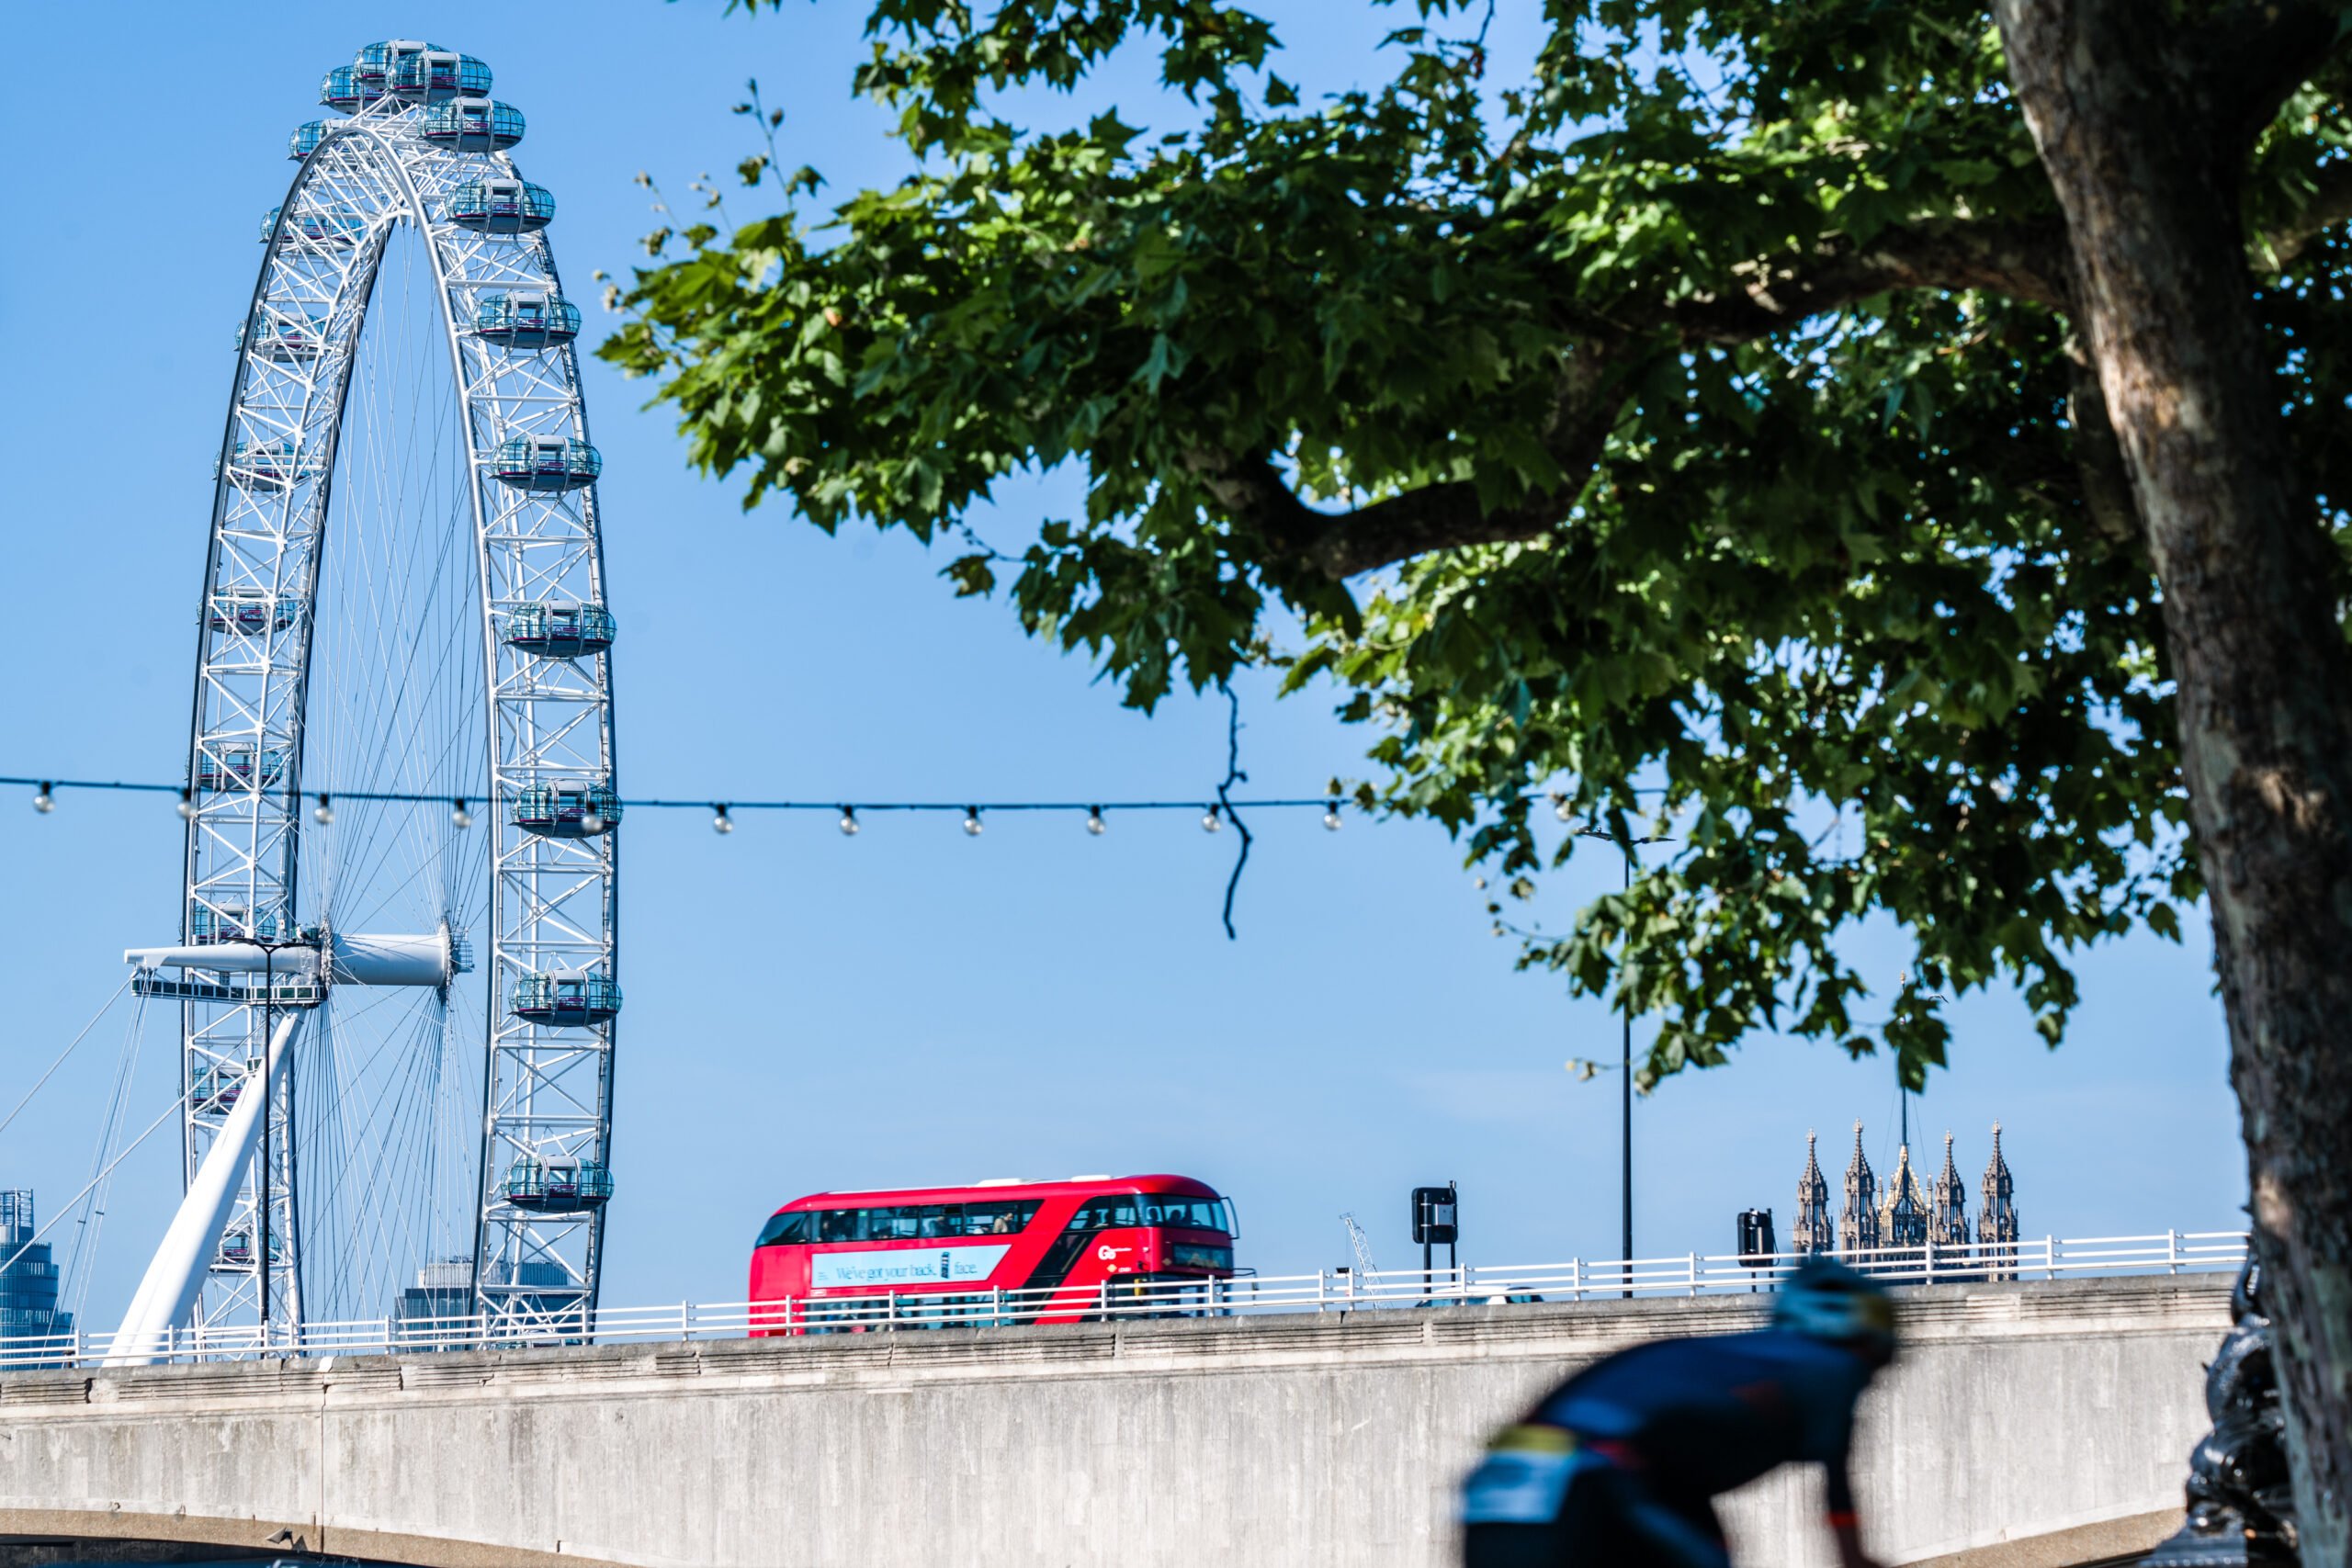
(1702, 1416)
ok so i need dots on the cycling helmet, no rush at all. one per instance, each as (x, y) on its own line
(1823, 1299)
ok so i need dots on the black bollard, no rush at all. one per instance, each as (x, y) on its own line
(2240, 1504)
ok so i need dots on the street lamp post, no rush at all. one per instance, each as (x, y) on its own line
(269, 951)
(1626, 1072)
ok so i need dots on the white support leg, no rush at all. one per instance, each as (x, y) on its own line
(168, 1292)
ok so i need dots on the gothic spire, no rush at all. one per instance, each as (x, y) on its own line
(1947, 1204)
(1815, 1231)
(1903, 1217)
(1996, 1221)
(1858, 1222)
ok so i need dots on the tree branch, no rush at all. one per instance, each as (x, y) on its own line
(1446, 516)
(2257, 53)
(2330, 204)
(2025, 263)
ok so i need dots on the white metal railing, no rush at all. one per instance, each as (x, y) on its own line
(1330, 1290)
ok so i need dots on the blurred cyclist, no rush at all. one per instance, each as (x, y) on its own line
(1619, 1465)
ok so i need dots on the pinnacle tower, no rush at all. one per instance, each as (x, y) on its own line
(1858, 1222)
(1815, 1230)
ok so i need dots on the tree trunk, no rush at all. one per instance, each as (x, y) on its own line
(2143, 144)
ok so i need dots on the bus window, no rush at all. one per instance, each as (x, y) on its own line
(943, 1219)
(1191, 1213)
(787, 1230)
(1105, 1213)
(998, 1217)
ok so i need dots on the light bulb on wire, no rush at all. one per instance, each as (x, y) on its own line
(325, 815)
(187, 804)
(720, 823)
(849, 822)
(1331, 816)
(1562, 809)
(459, 818)
(44, 801)
(1094, 820)
(972, 820)
(1211, 821)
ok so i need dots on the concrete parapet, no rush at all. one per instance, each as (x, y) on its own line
(2023, 1420)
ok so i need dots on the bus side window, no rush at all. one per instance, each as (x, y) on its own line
(941, 1219)
(837, 1225)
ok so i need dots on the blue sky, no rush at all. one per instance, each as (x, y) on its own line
(807, 1011)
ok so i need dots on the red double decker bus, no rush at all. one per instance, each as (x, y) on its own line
(1059, 1250)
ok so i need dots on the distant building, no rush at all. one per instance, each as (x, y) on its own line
(444, 1291)
(1898, 1223)
(1857, 1222)
(1948, 1205)
(1996, 1221)
(28, 1274)
(1815, 1230)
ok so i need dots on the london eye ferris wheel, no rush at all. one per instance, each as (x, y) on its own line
(398, 957)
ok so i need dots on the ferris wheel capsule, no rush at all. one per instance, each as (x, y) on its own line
(306, 136)
(557, 1184)
(527, 320)
(375, 66)
(283, 338)
(240, 767)
(566, 1001)
(568, 810)
(269, 465)
(319, 227)
(251, 612)
(339, 89)
(560, 631)
(473, 125)
(546, 463)
(501, 207)
(436, 75)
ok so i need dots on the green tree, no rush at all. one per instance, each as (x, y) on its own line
(1906, 434)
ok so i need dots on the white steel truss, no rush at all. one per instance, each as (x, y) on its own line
(546, 710)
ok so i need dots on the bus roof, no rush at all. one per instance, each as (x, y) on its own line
(1076, 1186)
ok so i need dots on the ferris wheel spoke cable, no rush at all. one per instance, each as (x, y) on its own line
(86, 1237)
(71, 1045)
(132, 1147)
(334, 1203)
(378, 1199)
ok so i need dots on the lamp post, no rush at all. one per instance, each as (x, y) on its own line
(269, 951)
(1625, 1069)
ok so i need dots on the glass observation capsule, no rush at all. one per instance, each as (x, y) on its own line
(532, 320)
(436, 76)
(560, 631)
(546, 463)
(231, 922)
(339, 89)
(473, 125)
(216, 1087)
(319, 228)
(560, 1185)
(568, 810)
(283, 338)
(501, 207)
(566, 1001)
(306, 139)
(269, 465)
(374, 67)
(234, 767)
(252, 611)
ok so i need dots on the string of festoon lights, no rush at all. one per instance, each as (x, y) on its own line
(849, 815)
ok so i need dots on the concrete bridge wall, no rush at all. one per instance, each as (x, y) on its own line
(2025, 1425)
